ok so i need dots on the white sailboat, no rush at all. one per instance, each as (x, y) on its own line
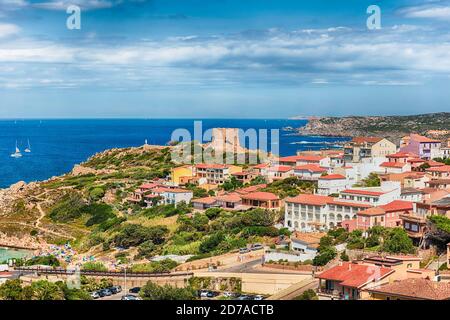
(16, 154)
(28, 149)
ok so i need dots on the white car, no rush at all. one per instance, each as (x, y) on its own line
(228, 294)
(95, 295)
(203, 293)
(258, 297)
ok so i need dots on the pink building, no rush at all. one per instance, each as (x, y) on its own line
(387, 215)
(424, 147)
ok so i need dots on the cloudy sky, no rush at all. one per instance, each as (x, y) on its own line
(222, 58)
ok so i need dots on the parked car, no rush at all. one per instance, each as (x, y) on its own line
(130, 297)
(135, 290)
(95, 295)
(212, 294)
(101, 293)
(106, 292)
(257, 246)
(244, 297)
(244, 250)
(229, 294)
(115, 289)
(203, 293)
(258, 297)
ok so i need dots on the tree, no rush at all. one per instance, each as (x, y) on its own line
(397, 241)
(258, 180)
(96, 193)
(94, 266)
(211, 243)
(12, 290)
(232, 184)
(45, 290)
(344, 256)
(309, 294)
(152, 291)
(325, 255)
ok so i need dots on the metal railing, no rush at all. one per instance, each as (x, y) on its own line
(62, 271)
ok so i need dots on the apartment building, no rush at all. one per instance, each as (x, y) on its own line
(367, 147)
(308, 212)
(424, 147)
(215, 173)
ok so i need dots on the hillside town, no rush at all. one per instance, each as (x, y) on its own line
(369, 220)
(369, 183)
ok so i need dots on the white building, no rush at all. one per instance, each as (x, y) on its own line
(395, 167)
(162, 196)
(308, 212)
(309, 171)
(375, 196)
(332, 183)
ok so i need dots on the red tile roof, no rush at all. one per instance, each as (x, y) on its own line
(402, 154)
(231, 197)
(355, 275)
(310, 168)
(211, 166)
(311, 199)
(392, 165)
(337, 202)
(280, 169)
(310, 158)
(206, 200)
(422, 139)
(260, 195)
(377, 211)
(397, 205)
(444, 168)
(251, 188)
(332, 177)
(292, 159)
(361, 140)
(363, 192)
(415, 288)
(261, 166)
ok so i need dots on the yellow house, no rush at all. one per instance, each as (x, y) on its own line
(181, 172)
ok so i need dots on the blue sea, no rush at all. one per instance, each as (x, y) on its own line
(57, 145)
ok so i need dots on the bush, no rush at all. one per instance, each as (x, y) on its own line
(152, 291)
(325, 255)
(132, 235)
(99, 213)
(43, 260)
(96, 193)
(93, 266)
(397, 241)
(211, 242)
(309, 294)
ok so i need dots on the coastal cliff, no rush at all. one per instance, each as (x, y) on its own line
(436, 125)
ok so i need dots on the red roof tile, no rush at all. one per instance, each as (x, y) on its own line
(397, 205)
(262, 196)
(355, 275)
(311, 199)
(415, 288)
(363, 192)
(392, 165)
(377, 211)
(280, 169)
(310, 168)
(366, 139)
(332, 177)
(402, 154)
(444, 168)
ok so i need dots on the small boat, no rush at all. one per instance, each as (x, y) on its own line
(28, 149)
(16, 154)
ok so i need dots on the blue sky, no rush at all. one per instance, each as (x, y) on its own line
(222, 58)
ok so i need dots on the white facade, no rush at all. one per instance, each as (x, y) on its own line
(329, 186)
(312, 217)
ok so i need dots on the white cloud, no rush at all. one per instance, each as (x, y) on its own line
(7, 29)
(439, 12)
(83, 4)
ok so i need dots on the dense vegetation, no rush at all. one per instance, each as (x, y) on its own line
(40, 290)
(152, 291)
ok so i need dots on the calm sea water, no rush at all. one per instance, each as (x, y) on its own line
(6, 254)
(57, 145)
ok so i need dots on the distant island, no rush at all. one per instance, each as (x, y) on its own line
(435, 125)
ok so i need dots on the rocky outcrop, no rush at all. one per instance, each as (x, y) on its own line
(391, 127)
